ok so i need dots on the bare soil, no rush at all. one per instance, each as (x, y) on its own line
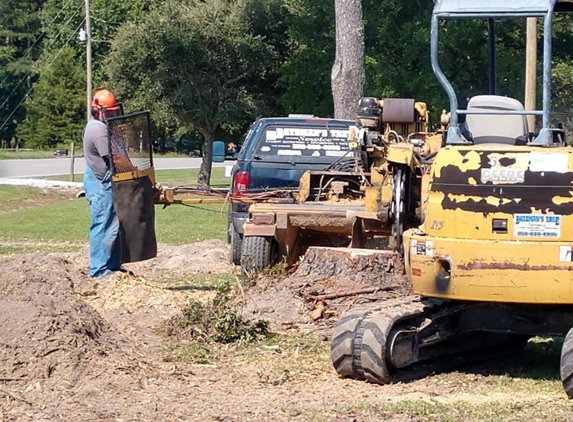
(82, 349)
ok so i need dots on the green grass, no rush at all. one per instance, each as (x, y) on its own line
(178, 224)
(38, 153)
(51, 248)
(22, 155)
(188, 177)
(421, 410)
(18, 198)
(69, 221)
(171, 178)
(11, 196)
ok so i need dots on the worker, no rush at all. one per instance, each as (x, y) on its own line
(105, 247)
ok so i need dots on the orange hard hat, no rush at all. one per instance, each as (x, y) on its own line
(104, 99)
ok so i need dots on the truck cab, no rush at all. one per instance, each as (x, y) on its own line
(275, 154)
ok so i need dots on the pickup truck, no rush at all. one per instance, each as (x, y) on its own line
(275, 154)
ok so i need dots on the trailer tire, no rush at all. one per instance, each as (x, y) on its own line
(566, 365)
(256, 253)
(235, 242)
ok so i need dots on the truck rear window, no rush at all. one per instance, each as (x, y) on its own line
(303, 141)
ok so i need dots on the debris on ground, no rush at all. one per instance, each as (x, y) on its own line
(81, 349)
(325, 283)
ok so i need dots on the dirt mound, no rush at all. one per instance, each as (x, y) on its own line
(209, 256)
(52, 340)
(46, 327)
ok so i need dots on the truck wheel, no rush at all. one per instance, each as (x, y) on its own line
(567, 364)
(256, 253)
(235, 241)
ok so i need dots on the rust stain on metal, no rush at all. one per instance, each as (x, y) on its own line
(481, 265)
(302, 220)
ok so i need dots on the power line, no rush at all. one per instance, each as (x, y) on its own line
(38, 39)
(47, 67)
(47, 48)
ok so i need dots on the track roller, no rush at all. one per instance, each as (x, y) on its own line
(567, 364)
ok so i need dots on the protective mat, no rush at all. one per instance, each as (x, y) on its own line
(133, 202)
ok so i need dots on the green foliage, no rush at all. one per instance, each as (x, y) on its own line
(57, 106)
(305, 74)
(20, 26)
(62, 19)
(196, 64)
(210, 87)
(198, 353)
(398, 55)
(212, 66)
(562, 90)
(219, 321)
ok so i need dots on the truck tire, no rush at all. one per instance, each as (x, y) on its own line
(235, 242)
(566, 366)
(256, 253)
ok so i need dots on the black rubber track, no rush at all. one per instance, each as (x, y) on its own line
(567, 364)
(373, 349)
(347, 334)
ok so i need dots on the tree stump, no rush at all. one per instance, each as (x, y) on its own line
(332, 280)
(359, 265)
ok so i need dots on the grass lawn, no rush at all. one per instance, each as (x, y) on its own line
(188, 177)
(24, 155)
(171, 178)
(49, 153)
(68, 219)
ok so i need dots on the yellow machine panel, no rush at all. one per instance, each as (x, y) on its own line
(498, 227)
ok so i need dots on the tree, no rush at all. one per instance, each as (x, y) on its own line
(398, 54)
(305, 72)
(348, 69)
(196, 61)
(57, 106)
(20, 28)
(62, 20)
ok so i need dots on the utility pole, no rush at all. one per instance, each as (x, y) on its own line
(531, 70)
(88, 61)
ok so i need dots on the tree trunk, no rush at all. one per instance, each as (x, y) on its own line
(348, 73)
(204, 176)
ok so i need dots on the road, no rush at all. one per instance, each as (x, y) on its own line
(55, 166)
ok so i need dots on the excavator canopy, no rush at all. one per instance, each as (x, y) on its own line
(495, 8)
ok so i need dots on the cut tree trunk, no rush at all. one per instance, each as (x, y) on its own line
(360, 266)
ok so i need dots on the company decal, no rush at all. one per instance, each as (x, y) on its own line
(549, 162)
(508, 173)
(309, 142)
(537, 226)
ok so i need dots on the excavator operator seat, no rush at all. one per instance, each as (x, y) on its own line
(496, 129)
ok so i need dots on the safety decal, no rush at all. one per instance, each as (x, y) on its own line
(537, 226)
(422, 248)
(565, 254)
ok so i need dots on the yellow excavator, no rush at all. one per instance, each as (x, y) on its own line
(491, 264)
